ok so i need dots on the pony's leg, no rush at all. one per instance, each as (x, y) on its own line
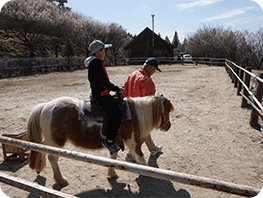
(131, 144)
(59, 179)
(130, 157)
(111, 171)
(139, 155)
(135, 151)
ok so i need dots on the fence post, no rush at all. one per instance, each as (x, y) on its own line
(233, 77)
(254, 114)
(230, 71)
(57, 65)
(236, 80)
(247, 81)
(239, 87)
(45, 70)
(226, 68)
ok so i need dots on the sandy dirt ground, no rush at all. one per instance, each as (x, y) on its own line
(210, 134)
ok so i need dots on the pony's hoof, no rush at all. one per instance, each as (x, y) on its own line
(112, 174)
(62, 182)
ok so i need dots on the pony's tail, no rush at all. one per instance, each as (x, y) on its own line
(36, 160)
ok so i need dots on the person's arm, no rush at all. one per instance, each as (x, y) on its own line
(103, 79)
(148, 87)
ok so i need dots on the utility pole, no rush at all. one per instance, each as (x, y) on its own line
(153, 15)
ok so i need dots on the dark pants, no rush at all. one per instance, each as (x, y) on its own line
(114, 115)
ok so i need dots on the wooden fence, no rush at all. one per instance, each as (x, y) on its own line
(131, 167)
(241, 77)
(12, 67)
(26, 66)
(209, 61)
(171, 60)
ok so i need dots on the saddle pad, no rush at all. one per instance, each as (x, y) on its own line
(88, 111)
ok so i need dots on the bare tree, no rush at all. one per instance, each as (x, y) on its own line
(23, 24)
(255, 42)
(60, 2)
(92, 30)
(42, 28)
(33, 22)
(219, 42)
(118, 37)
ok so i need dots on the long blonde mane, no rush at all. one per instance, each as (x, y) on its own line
(148, 110)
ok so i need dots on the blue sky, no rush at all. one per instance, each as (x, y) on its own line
(184, 16)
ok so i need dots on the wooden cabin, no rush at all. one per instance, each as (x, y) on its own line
(149, 44)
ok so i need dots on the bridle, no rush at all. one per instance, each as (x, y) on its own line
(164, 118)
(164, 121)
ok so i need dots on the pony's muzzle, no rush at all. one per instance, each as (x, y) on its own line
(166, 126)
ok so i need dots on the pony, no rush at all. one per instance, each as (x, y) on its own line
(55, 122)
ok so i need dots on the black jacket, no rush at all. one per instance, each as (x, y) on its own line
(98, 78)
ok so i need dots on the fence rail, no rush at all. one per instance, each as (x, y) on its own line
(32, 187)
(242, 81)
(26, 66)
(171, 60)
(12, 67)
(209, 61)
(139, 169)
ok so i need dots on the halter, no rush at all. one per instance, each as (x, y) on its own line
(164, 118)
(164, 121)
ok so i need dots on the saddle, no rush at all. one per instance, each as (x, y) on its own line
(91, 110)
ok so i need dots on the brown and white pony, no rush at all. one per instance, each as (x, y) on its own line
(58, 122)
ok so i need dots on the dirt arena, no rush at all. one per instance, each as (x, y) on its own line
(210, 134)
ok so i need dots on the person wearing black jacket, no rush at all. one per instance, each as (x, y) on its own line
(100, 88)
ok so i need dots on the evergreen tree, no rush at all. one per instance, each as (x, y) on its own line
(167, 39)
(175, 41)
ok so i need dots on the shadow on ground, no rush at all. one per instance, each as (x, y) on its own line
(149, 187)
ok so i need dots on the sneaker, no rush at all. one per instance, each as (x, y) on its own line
(110, 146)
(156, 150)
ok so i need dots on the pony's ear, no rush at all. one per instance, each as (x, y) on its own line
(171, 106)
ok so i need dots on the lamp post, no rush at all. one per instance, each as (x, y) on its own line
(153, 15)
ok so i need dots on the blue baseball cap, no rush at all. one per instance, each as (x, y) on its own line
(153, 62)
